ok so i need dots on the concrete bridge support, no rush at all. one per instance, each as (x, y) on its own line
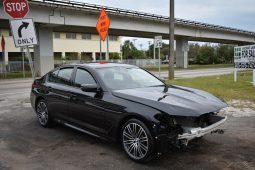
(44, 56)
(182, 49)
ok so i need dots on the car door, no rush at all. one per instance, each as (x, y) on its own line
(85, 107)
(58, 97)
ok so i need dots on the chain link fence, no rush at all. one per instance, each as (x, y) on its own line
(14, 69)
(138, 62)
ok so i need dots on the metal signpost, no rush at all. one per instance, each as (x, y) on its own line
(23, 30)
(244, 57)
(158, 44)
(102, 27)
(3, 54)
(24, 35)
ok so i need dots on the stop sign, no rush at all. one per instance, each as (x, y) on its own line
(16, 8)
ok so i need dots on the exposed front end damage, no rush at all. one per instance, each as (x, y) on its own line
(190, 133)
(181, 130)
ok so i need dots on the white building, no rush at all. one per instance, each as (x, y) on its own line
(68, 46)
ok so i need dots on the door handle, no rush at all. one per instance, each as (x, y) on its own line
(73, 97)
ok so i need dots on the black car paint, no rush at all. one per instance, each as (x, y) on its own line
(104, 112)
(177, 101)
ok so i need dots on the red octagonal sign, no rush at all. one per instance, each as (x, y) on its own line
(16, 8)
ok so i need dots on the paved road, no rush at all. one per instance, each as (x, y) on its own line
(14, 87)
(197, 72)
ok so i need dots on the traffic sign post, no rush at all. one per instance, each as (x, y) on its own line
(16, 8)
(23, 30)
(24, 35)
(158, 44)
(3, 54)
(102, 27)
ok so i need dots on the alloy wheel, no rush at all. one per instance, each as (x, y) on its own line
(42, 113)
(135, 141)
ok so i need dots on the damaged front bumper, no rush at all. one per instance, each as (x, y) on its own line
(191, 132)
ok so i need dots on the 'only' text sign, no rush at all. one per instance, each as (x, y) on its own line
(23, 32)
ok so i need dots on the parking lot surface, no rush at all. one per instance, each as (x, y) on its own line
(24, 144)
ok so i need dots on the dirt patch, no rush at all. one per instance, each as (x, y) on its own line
(239, 108)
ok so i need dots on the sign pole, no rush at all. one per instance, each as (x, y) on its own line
(100, 49)
(30, 62)
(235, 74)
(107, 41)
(4, 64)
(253, 77)
(154, 52)
(102, 26)
(159, 62)
(23, 63)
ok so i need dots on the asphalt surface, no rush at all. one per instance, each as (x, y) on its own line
(24, 144)
(196, 72)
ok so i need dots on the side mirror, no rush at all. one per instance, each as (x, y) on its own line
(90, 88)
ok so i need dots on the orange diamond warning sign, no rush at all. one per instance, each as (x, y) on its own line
(103, 24)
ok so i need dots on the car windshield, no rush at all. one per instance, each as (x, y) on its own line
(119, 78)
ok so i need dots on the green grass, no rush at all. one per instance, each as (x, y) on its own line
(164, 67)
(223, 86)
(15, 75)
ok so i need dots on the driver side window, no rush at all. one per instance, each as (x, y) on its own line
(83, 77)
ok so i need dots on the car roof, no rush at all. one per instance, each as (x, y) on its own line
(103, 65)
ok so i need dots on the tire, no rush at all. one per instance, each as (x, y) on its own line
(43, 115)
(137, 141)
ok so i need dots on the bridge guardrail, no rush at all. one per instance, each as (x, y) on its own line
(119, 11)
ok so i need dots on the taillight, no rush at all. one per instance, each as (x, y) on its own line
(33, 85)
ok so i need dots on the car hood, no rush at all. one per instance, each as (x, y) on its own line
(177, 101)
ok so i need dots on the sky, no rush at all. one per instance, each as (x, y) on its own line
(232, 13)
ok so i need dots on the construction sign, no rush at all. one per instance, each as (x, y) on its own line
(103, 24)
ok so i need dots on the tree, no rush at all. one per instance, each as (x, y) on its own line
(193, 53)
(131, 52)
(225, 53)
(206, 55)
(209, 54)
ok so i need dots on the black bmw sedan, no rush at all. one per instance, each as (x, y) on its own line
(127, 104)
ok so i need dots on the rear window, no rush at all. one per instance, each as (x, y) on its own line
(62, 76)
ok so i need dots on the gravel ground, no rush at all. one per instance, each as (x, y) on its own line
(25, 145)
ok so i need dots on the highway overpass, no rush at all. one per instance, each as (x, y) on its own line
(66, 16)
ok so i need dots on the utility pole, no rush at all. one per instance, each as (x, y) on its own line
(171, 41)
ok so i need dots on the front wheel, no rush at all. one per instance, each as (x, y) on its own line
(137, 141)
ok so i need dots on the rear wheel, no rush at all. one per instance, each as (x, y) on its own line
(137, 141)
(43, 115)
